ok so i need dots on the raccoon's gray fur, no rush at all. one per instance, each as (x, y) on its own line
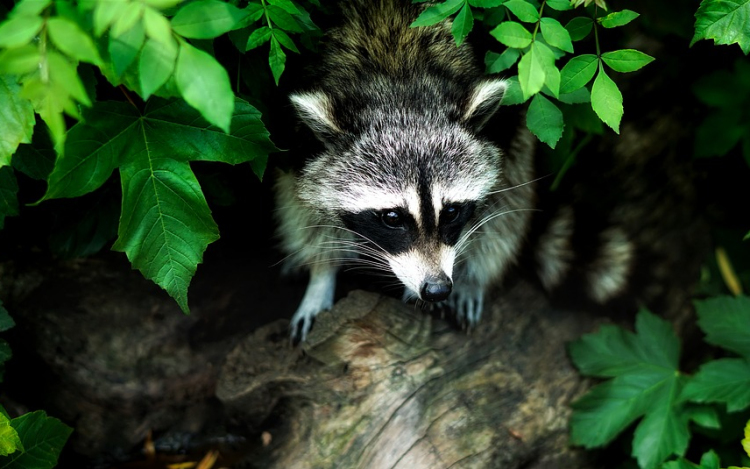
(405, 182)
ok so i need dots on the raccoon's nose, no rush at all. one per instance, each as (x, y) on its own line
(436, 289)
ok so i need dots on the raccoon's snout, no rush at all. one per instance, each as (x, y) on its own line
(436, 289)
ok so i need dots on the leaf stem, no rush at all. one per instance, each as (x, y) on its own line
(569, 161)
(596, 35)
(127, 95)
(536, 26)
(265, 13)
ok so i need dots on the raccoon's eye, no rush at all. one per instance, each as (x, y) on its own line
(392, 218)
(451, 213)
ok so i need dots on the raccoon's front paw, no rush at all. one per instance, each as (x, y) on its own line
(467, 304)
(302, 322)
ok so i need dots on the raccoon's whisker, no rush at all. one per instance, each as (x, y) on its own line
(519, 185)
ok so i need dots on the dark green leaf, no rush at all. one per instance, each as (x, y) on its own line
(710, 460)
(6, 322)
(626, 60)
(437, 13)
(579, 27)
(276, 60)
(726, 322)
(43, 438)
(286, 5)
(726, 380)
(719, 133)
(283, 20)
(523, 10)
(284, 40)
(8, 191)
(618, 18)
(545, 120)
(462, 24)
(206, 19)
(37, 159)
(513, 94)
(606, 100)
(489, 3)
(204, 84)
(258, 37)
(724, 21)
(497, 63)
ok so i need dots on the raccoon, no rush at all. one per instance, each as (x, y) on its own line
(405, 183)
(409, 180)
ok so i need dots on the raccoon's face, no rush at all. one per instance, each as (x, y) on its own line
(407, 186)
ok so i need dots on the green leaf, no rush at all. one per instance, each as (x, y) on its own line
(579, 27)
(8, 191)
(724, 21)
(725, 380)
(282, 19)
(646, 384)
(155, 66)
(523, 10)
(72, 40)
(37, 159)
(719, 133)
(286, 5)
(165, 223)
(284, 40)
(545, 120)
(30, 7)
(606, 100)
(19, 30)
(6, 322)
(559, 5)
(258, 37)
(462, 24)
(157, 27)
(512, 34)
(20, 60)
(9, 440)
(618, 18)
(533, 68)
(123, 49)
(276, 60)
(497, 63)
(626, 60)
(206, 19)
(710, 460)
(704, 416)
(513, 94)
(204, 84)
(16, 118)
(577, 72)
(105, 14)
(555, 34)
(43, 438)
(726, 322)
(490, 3)
(127, 18)
(437, 13)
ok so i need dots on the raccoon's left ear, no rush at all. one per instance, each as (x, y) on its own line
(484, 99)
(315, 108)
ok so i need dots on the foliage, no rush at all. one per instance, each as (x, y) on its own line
(645, 383)
(33, 440)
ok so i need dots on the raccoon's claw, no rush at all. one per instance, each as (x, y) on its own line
(318, 297)
(468, 307)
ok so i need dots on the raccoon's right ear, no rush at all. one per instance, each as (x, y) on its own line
(484, 100)
(316, 110)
